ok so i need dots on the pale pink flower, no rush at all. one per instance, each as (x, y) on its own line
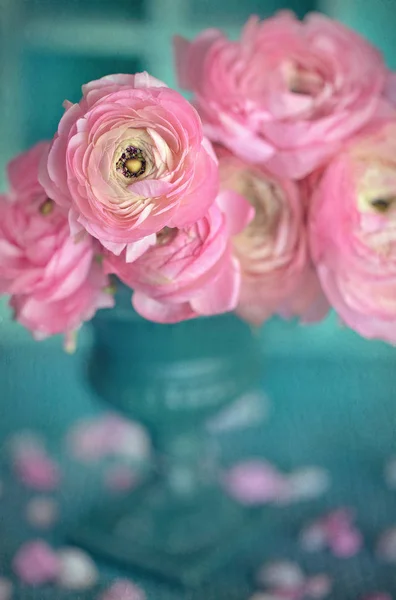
(272, 249)
(189, 272)
(353, 233)
(287, 93)
(129, 159)
(36, 563)
(54, 282)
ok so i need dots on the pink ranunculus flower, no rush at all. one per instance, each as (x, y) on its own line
(188, 272)
(54, 282)
(287, 93)
(353, 233)
(277, 274)
(128, 160)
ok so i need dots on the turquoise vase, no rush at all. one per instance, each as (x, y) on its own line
(171, 378)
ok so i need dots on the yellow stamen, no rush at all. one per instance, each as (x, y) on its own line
(110, 289)
(134, 165)
(382, 205)
(47, 207)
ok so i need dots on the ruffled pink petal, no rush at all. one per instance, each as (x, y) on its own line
(239, 213)
(160, 312)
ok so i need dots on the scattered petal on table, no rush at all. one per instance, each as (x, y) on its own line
(36, 563)
(25, 442)
(6, 589)
(378, 596)
(37, 471)
(318, 586)
(246, 411)
(313, 537)
(286, 580)
(123, 589)
(77, 569)
(42, 512)
(93, 439)
(254, 482)
(281, 575)
(120, 478)
(266, 596)
(336, 531)
(308, 483)
(386, 548)
(390, 473)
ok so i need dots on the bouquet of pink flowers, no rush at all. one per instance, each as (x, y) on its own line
(273, 192)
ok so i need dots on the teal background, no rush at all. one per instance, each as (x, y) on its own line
(332, 393)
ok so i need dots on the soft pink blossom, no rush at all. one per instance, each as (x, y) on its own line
(129, 159)
(188, 272)
(36, 563)
(287, 93)
(353, 232)
(54, 282)
(272, 249)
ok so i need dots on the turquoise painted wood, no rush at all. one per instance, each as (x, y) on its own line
(375, 19)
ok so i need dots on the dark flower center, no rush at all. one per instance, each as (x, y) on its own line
(382, 205)
(131, 162)
(166, 235)
(46, 207)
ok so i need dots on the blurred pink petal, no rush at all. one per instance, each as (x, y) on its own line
(36, 563)
(6, 589)
(277, 275)
(123, 589)
(281, 575)
(93, 439)
(77, 571)
(386, 548)
(254, 482)
(313, 538)
(120, 478)
(42, 512)
(37, 471)
(379, 596)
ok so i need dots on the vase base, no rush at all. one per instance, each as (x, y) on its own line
(186, 541)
